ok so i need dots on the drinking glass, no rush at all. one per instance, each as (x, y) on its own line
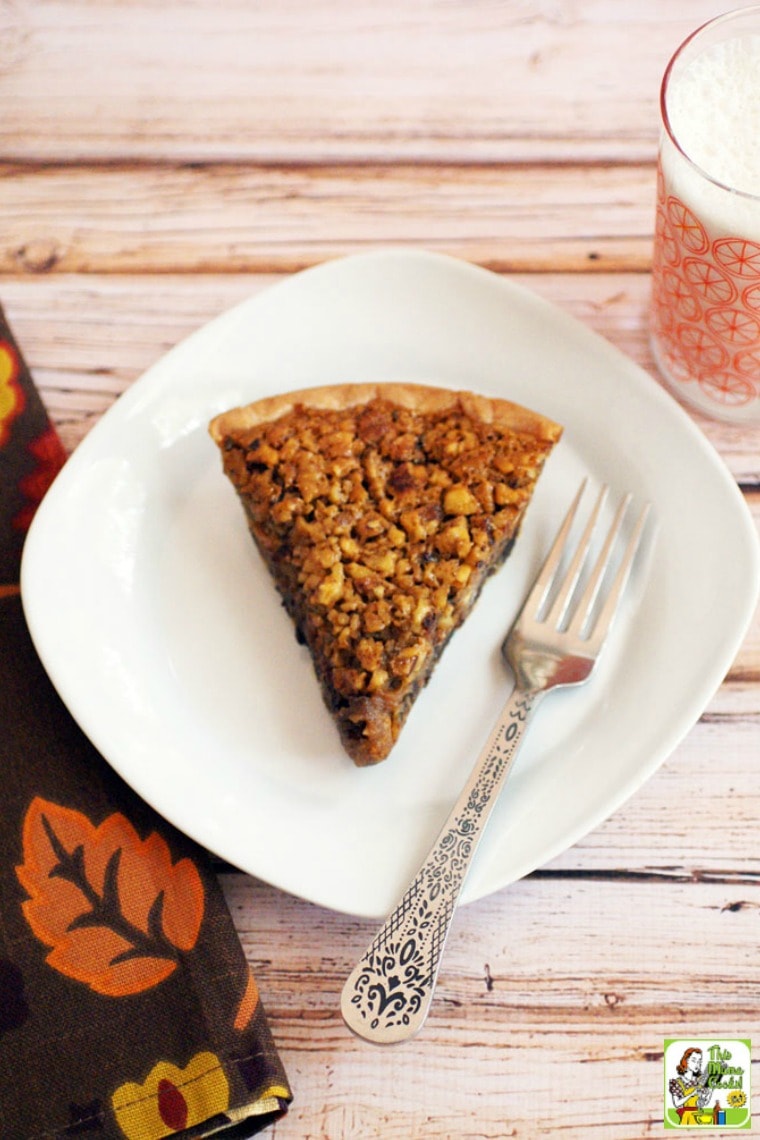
(705, 316)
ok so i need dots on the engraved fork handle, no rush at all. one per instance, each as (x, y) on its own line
(387, 996)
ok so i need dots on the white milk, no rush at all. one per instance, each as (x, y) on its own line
(713, 107)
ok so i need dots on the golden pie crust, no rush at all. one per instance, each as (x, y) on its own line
(380, 510)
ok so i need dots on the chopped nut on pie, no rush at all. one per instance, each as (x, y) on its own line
(380, 511)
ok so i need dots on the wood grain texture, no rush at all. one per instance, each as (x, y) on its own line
(236, 219)
(87, 337)
(320, 80)
(553, 1002)
(159, 164)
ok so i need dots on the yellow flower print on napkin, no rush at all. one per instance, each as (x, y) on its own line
(171, 1099)
(11, 394)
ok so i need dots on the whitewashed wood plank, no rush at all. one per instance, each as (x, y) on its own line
(569, 947)
(88, 337)
(553, 1003)
(312, 80)
(696, 818)
(227, 219)
(557, 992)
(693, 821)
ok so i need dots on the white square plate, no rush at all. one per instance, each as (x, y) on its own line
(160, 628)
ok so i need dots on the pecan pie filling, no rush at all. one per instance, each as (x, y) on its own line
(380, 523)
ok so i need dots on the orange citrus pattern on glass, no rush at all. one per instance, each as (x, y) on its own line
(706, 305)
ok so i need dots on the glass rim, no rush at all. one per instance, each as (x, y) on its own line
(715, 21)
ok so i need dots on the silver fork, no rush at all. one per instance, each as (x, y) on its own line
(552, 643)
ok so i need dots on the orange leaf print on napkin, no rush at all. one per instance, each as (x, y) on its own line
(114, 908)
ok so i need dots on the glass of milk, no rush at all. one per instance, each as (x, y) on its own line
(706, 266)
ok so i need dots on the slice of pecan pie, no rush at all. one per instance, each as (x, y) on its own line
(380, 510)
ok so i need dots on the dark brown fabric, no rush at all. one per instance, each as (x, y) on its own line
(31, 454)
(127, 1007)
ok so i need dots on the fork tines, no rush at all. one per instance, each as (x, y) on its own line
(559, 606)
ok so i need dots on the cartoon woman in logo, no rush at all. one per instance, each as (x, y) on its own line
(689, 1090)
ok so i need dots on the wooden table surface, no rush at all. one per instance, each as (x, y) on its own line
(160, 162)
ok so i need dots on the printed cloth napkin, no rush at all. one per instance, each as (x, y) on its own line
(127, 1007)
